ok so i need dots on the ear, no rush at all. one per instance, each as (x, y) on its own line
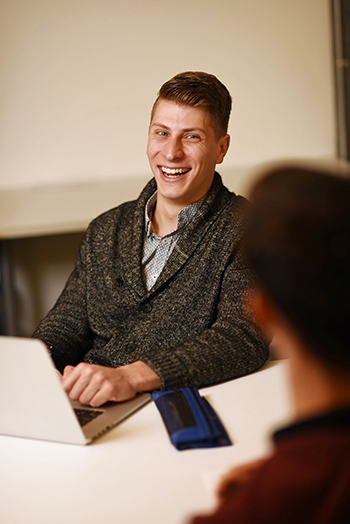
(275, 326)
(224, 144)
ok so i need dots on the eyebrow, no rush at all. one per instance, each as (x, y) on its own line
(186, 130)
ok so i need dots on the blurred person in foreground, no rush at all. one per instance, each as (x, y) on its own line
(298, 243)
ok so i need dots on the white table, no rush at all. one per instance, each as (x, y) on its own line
(133, 474)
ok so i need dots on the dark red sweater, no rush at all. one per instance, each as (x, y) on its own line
(307, 479)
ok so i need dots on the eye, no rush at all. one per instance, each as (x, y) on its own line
(192, 138)
(158, 131)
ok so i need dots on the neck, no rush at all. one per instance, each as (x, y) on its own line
(317, 390)
(164, 217)
(316, 387)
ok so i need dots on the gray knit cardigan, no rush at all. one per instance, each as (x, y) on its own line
(190, 328)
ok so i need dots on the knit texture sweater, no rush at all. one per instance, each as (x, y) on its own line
(190, 328)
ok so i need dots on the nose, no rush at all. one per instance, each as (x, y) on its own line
(173, 149)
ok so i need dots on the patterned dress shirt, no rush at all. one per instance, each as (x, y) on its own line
(156, 249)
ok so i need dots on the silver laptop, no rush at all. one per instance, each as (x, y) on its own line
(33, 403)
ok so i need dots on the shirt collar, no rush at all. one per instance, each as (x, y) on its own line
(333, 419)
(149, 208)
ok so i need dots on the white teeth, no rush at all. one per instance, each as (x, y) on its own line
(177, 172)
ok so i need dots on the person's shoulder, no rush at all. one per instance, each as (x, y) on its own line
(228, 196)
(228, 209)
(303, 464)
(236, 206)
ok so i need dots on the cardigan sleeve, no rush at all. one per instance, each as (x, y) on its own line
(65, 330)
(230, 348)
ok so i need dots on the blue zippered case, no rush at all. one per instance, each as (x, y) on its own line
(190, 420)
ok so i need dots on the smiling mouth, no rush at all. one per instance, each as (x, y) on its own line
(174, 173)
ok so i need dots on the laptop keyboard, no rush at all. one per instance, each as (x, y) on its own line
(86, 415)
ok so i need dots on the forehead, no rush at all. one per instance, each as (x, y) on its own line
(181, 116)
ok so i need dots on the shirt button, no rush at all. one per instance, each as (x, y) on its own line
(131, 346)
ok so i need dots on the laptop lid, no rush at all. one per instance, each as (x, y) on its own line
(33, 403)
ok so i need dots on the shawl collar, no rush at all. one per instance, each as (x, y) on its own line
(132, 239)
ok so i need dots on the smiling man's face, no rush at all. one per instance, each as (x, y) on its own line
(183, 151)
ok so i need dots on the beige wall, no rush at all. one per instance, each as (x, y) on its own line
(78, 78)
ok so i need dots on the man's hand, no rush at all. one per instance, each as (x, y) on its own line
(237, 477)
(94, 385)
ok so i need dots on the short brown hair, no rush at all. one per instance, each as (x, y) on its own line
(298, 243)
(201, 90)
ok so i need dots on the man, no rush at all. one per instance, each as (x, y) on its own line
(155, 299)
(298, 241)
